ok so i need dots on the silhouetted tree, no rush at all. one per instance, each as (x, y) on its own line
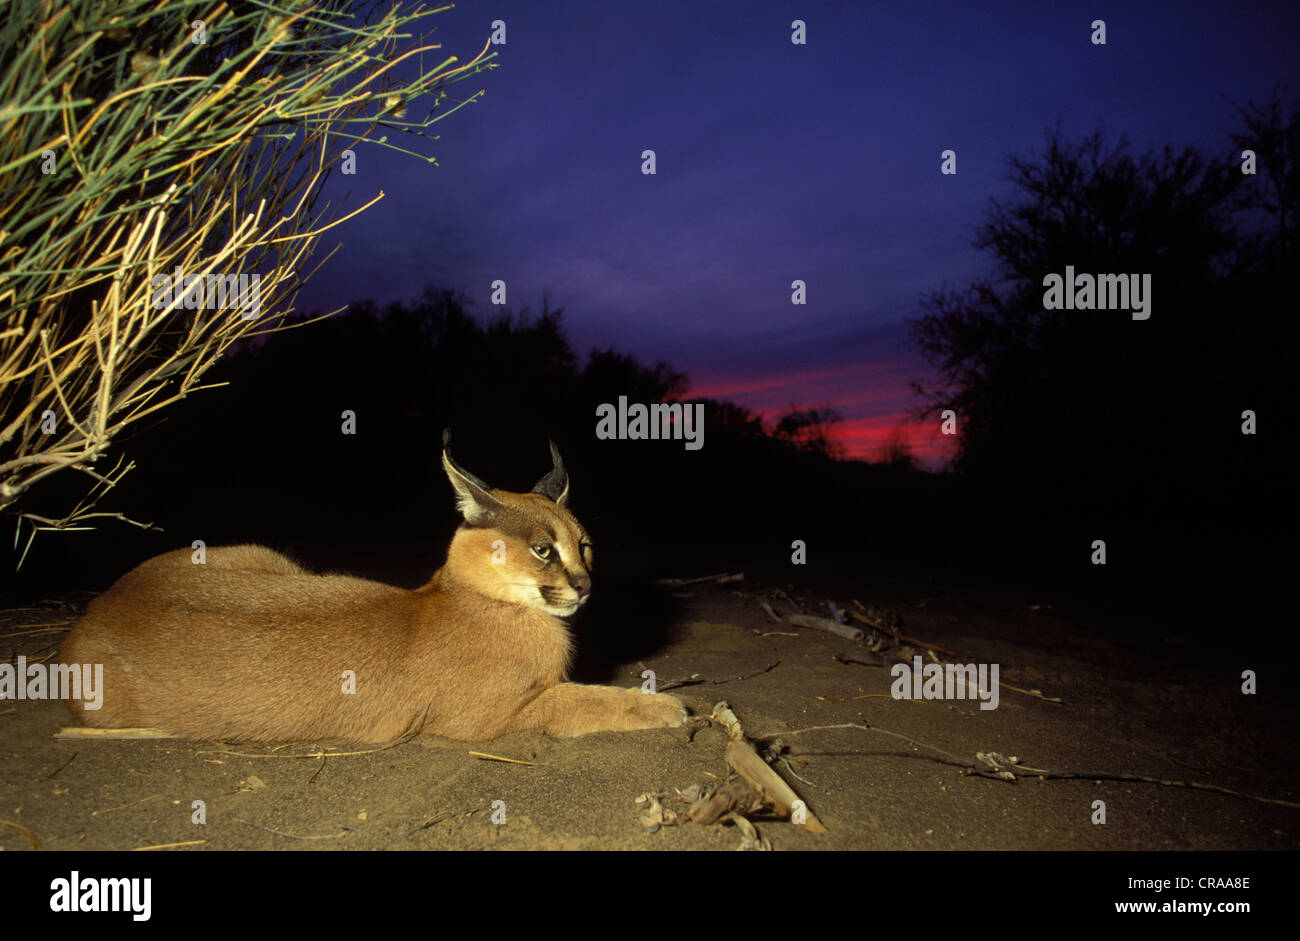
(733, 421)
(896, 451)
(1092, 407)
(609, 374)
(1275, 140)
(809, 429)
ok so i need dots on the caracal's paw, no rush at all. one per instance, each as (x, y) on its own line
(655, 710)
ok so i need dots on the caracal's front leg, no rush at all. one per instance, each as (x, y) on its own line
(578, 709)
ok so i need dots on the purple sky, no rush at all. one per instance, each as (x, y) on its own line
(775, 162)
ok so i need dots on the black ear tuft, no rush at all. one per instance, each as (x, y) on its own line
(449, 463)
(555, 485)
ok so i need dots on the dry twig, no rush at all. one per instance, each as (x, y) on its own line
(722, 579)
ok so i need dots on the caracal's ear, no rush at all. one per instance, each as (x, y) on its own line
(473, 496)
(555, 485)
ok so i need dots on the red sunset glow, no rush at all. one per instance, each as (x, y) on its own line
(873, 397)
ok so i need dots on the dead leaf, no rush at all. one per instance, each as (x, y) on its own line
(750, 838)
(652, 814)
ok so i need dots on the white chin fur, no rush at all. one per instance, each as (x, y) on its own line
(561, 610)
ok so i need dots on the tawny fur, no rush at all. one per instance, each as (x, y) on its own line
(249, 646)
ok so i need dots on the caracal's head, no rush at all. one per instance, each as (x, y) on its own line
(523, 548)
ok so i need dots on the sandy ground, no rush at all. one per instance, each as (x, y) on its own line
(1145, 706)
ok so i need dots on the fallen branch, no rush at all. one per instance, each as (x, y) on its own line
(696, 679)
(855, 657)
(1123, 776)
(867, 728)
(745, 761)
(903, 637)
(1005, 771)
(1036, 693)
(826, 624)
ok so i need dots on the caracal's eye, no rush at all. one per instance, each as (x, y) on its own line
(542, 552)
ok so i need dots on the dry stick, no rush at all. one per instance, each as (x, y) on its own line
(60, 767)
(903, 637)
(168, 846)
(695, 679)
(319, 753)
(87, 732)
(100, 813)
(826, 624)
(45, 656)
(931, 648)
(28, 835)
(432, 821)
(1126, 776)
(51, 628)
(439, 818)
(1039, 773)
(1036, 693)
(794, 604)
(722, 579)
(512, 761)
(789, 767)
(39, 631)
(867, 728)
(741, 756)
(749, 676)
